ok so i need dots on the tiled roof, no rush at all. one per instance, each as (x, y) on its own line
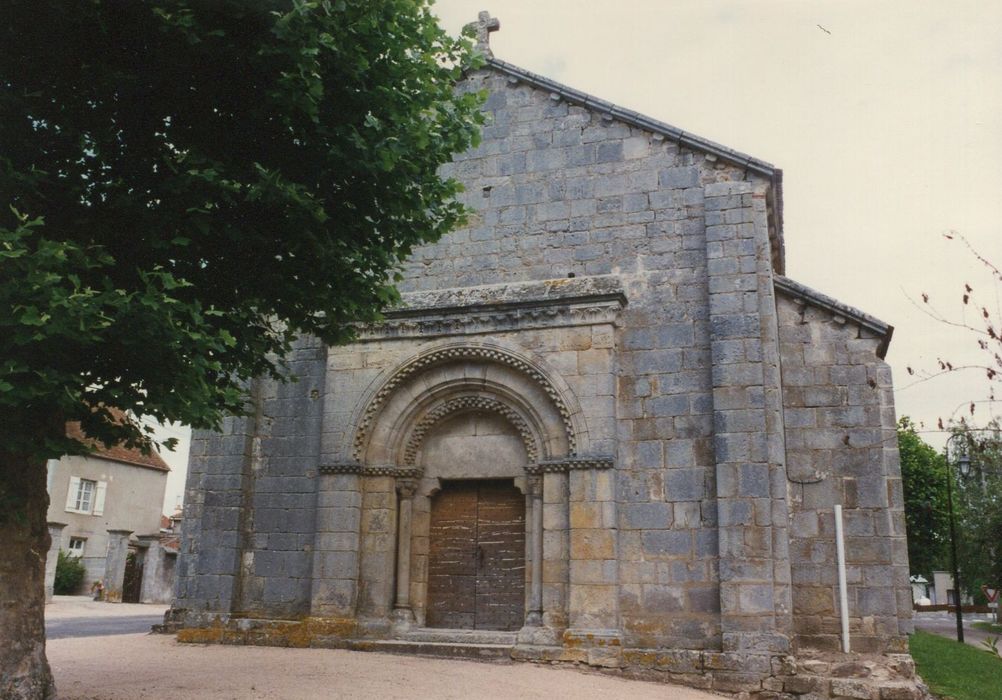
(118, 453)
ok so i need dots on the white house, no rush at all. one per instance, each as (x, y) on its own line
(112, 489)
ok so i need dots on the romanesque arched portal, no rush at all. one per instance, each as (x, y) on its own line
(463, 429)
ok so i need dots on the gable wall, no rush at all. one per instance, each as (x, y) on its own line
(841, 446)
(559, 189)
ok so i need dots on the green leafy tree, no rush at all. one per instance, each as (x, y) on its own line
(979, 509)
(185, 188)
(923, 476)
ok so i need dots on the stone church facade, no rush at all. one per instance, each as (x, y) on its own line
(603, 427)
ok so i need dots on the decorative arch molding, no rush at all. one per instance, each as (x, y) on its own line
(470, 403)
(468, 390)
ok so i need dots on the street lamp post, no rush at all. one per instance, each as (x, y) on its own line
(964, 466)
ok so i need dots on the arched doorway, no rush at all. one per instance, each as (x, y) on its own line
(467, 432)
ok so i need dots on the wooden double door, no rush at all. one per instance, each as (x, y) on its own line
(476, 562)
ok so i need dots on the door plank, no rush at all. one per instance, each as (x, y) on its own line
(452, 564)
(500, 592)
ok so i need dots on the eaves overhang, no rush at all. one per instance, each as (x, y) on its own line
(796, 290)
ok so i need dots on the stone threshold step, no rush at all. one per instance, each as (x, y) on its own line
(459, 636)
(452, 650)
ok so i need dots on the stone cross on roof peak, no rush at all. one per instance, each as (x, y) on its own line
(484, 25)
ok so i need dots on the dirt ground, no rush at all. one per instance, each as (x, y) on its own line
(135, 666)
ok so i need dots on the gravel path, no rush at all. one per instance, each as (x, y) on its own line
(134, 667)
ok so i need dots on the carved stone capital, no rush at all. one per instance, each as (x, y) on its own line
(406, 487)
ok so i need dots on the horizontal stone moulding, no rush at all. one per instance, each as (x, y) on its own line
(563, 465)
(370, 470)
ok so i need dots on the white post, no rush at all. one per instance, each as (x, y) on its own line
(843, 596)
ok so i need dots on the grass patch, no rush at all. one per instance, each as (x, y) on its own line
(988, 627)
(954, 670)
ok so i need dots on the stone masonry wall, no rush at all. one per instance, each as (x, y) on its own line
(209, 558)
(748, 427)
(842, 448)
(560, 189)
(249, 508)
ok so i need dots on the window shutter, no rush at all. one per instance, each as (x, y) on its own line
(71, 494)
(102, 486)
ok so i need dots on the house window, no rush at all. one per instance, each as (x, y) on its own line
(86, 496)
(77, 546)
(84, 502)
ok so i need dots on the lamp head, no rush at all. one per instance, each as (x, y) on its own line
(964, 464)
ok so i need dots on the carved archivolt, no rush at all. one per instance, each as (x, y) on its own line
(464, 403)
(458, 354)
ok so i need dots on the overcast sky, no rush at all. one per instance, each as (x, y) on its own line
(886, 120)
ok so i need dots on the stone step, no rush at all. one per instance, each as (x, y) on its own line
(452, 650)
(431, 634)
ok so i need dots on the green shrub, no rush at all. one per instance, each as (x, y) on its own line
(69, 574)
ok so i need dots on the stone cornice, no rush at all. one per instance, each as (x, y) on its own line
(366, 470)
(501, 307)
(798, 291)
(569, 463)
(550, 466)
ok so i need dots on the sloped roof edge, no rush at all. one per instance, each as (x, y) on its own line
(683, 138)
(812, 296)
(117, 453)
(636, 119)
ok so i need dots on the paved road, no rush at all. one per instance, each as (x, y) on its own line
(947, 627)
(99, 626)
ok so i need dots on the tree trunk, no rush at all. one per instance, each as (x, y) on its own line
(24, 503)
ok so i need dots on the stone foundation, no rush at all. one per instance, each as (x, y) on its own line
(810, 675)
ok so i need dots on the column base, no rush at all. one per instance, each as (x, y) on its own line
(538, 635)
(403, 620)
